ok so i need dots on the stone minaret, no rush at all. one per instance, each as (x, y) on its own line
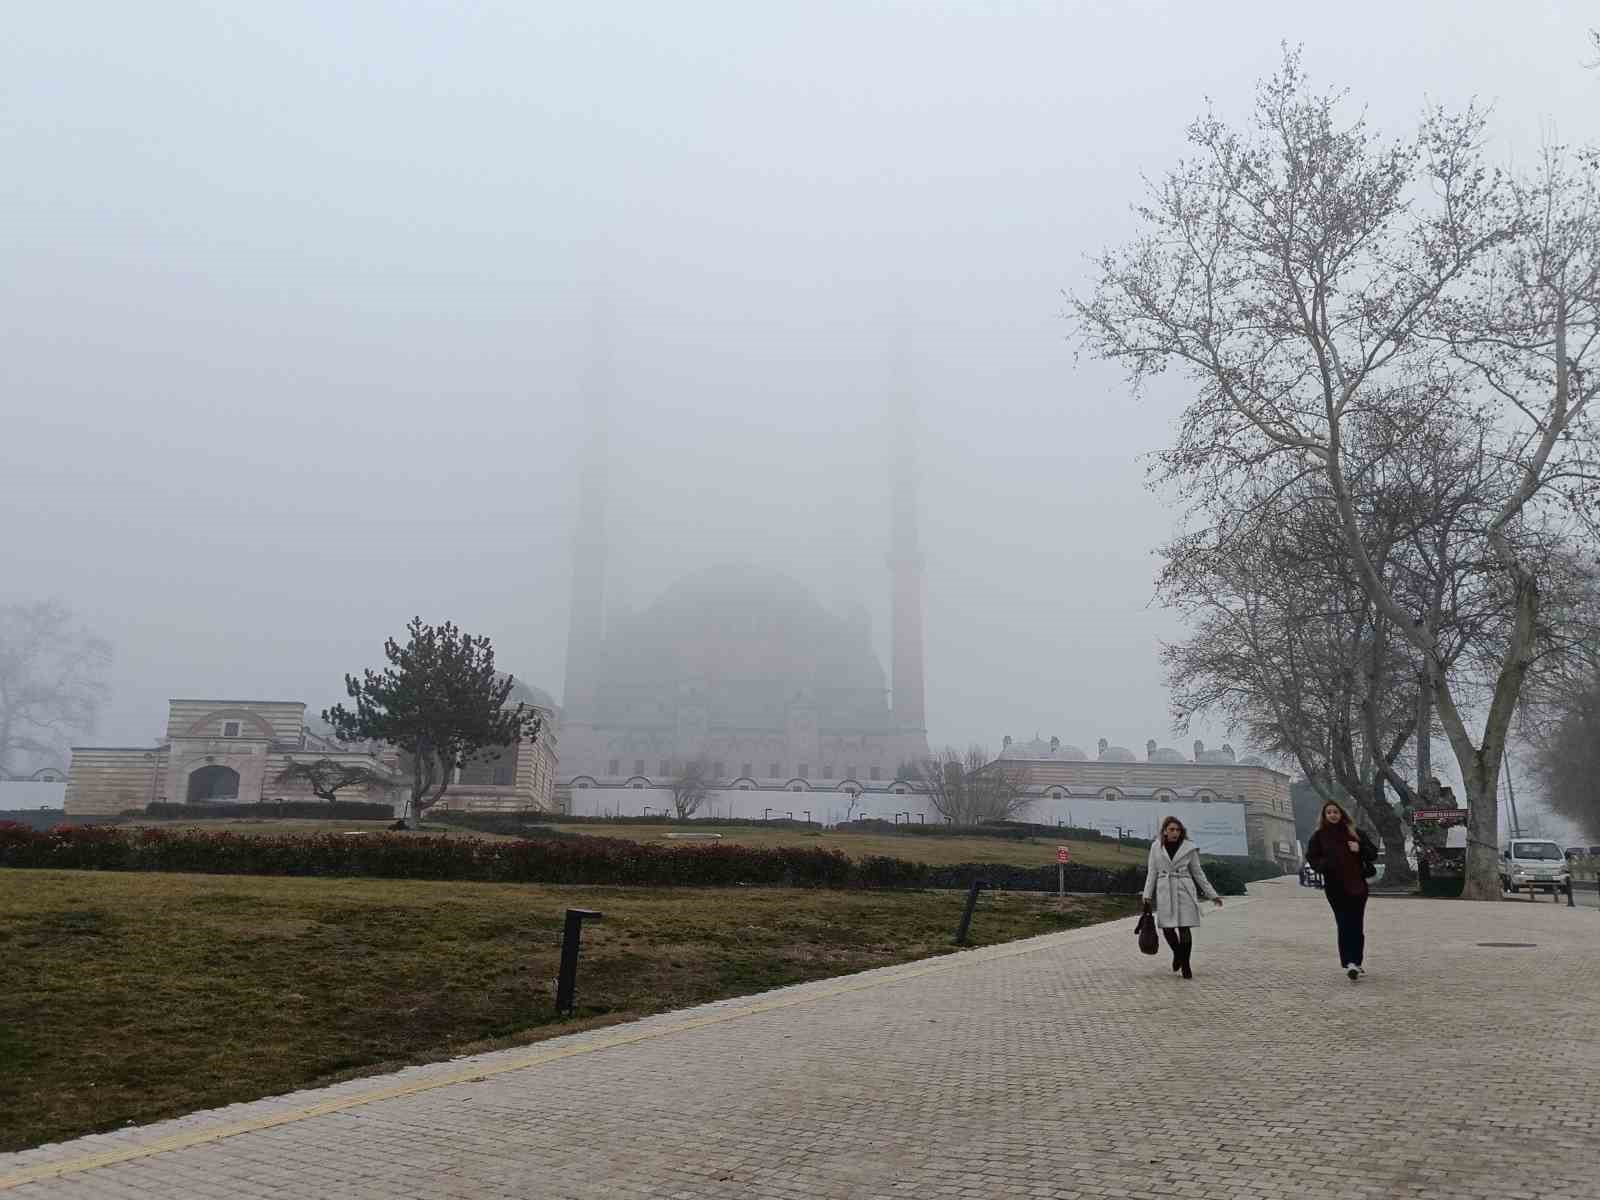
(905, 565)
(586, 624)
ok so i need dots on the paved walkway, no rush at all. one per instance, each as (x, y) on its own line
(1066, 1066)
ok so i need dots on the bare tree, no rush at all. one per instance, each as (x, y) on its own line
(969, 788)
(690, 787)
(1285, 645)
(52, 681)
(1309, 277)
(327, 777)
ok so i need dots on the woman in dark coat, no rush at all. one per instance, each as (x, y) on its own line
(1342, 854)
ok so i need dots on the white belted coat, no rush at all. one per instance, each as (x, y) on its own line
(1175, 883)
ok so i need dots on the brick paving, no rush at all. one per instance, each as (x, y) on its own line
(1064, 1068)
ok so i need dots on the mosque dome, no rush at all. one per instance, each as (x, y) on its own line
(741, 645)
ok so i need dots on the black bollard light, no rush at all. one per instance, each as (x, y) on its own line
(567, 983)
(1570, 904)
(966, 913)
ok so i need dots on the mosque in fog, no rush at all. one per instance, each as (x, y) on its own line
(742, 666)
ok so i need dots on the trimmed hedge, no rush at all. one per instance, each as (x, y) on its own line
(1249, 870)
(569, 860)
(543, 817)
(337, 810)
(34, 818)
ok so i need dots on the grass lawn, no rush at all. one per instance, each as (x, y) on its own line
(133, 997)
(292, 825)
(917, 848)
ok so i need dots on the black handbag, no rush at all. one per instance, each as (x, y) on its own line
(1149, 943)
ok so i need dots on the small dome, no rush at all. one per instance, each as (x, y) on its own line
(1119, 754)
(1166, 754)
(1038, 748)
(526, 693)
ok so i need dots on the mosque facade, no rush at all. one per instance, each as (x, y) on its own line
(739, 666)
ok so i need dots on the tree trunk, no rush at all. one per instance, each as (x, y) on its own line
(1483, 835)
(1425, 741)
(1390, 831)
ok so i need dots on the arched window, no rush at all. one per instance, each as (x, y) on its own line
(213, 783)
(1164, 795)
(1057, 794)
(1111, 794)
(1206, 796)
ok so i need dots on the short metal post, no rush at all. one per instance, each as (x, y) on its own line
(1570, 904)
(1061, 881)
(567, 982)
(966, 913)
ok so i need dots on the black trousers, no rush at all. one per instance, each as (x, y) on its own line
(1350, 915)
(1181, 942)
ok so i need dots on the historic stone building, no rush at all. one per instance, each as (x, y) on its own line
(232, 751)
(1055, 773)
(518, 778)
(741, 666)
(215, 751)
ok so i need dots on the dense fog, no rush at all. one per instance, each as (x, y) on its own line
(305, 307)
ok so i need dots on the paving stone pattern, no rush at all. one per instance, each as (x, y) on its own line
(1064, 1067)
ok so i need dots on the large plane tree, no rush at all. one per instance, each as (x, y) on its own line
(1305, 275)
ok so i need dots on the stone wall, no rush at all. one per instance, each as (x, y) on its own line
(110, 780)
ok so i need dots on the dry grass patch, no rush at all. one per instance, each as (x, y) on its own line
(133, 997)
(939, 851)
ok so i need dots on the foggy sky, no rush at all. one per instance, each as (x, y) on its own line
(299, 303)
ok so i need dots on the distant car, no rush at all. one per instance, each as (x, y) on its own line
(1535, 865)
(1573, 852)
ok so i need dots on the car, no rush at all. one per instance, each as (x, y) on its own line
(1534, 864)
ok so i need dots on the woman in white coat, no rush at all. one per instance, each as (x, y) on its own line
(1175, 882)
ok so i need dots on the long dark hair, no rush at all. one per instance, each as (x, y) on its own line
(1165, 821)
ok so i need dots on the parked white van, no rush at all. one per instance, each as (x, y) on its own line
(1533, 863)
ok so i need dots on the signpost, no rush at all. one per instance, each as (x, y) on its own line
(1063, 856)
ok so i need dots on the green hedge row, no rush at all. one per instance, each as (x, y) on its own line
(301, 810)
(567, 860)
